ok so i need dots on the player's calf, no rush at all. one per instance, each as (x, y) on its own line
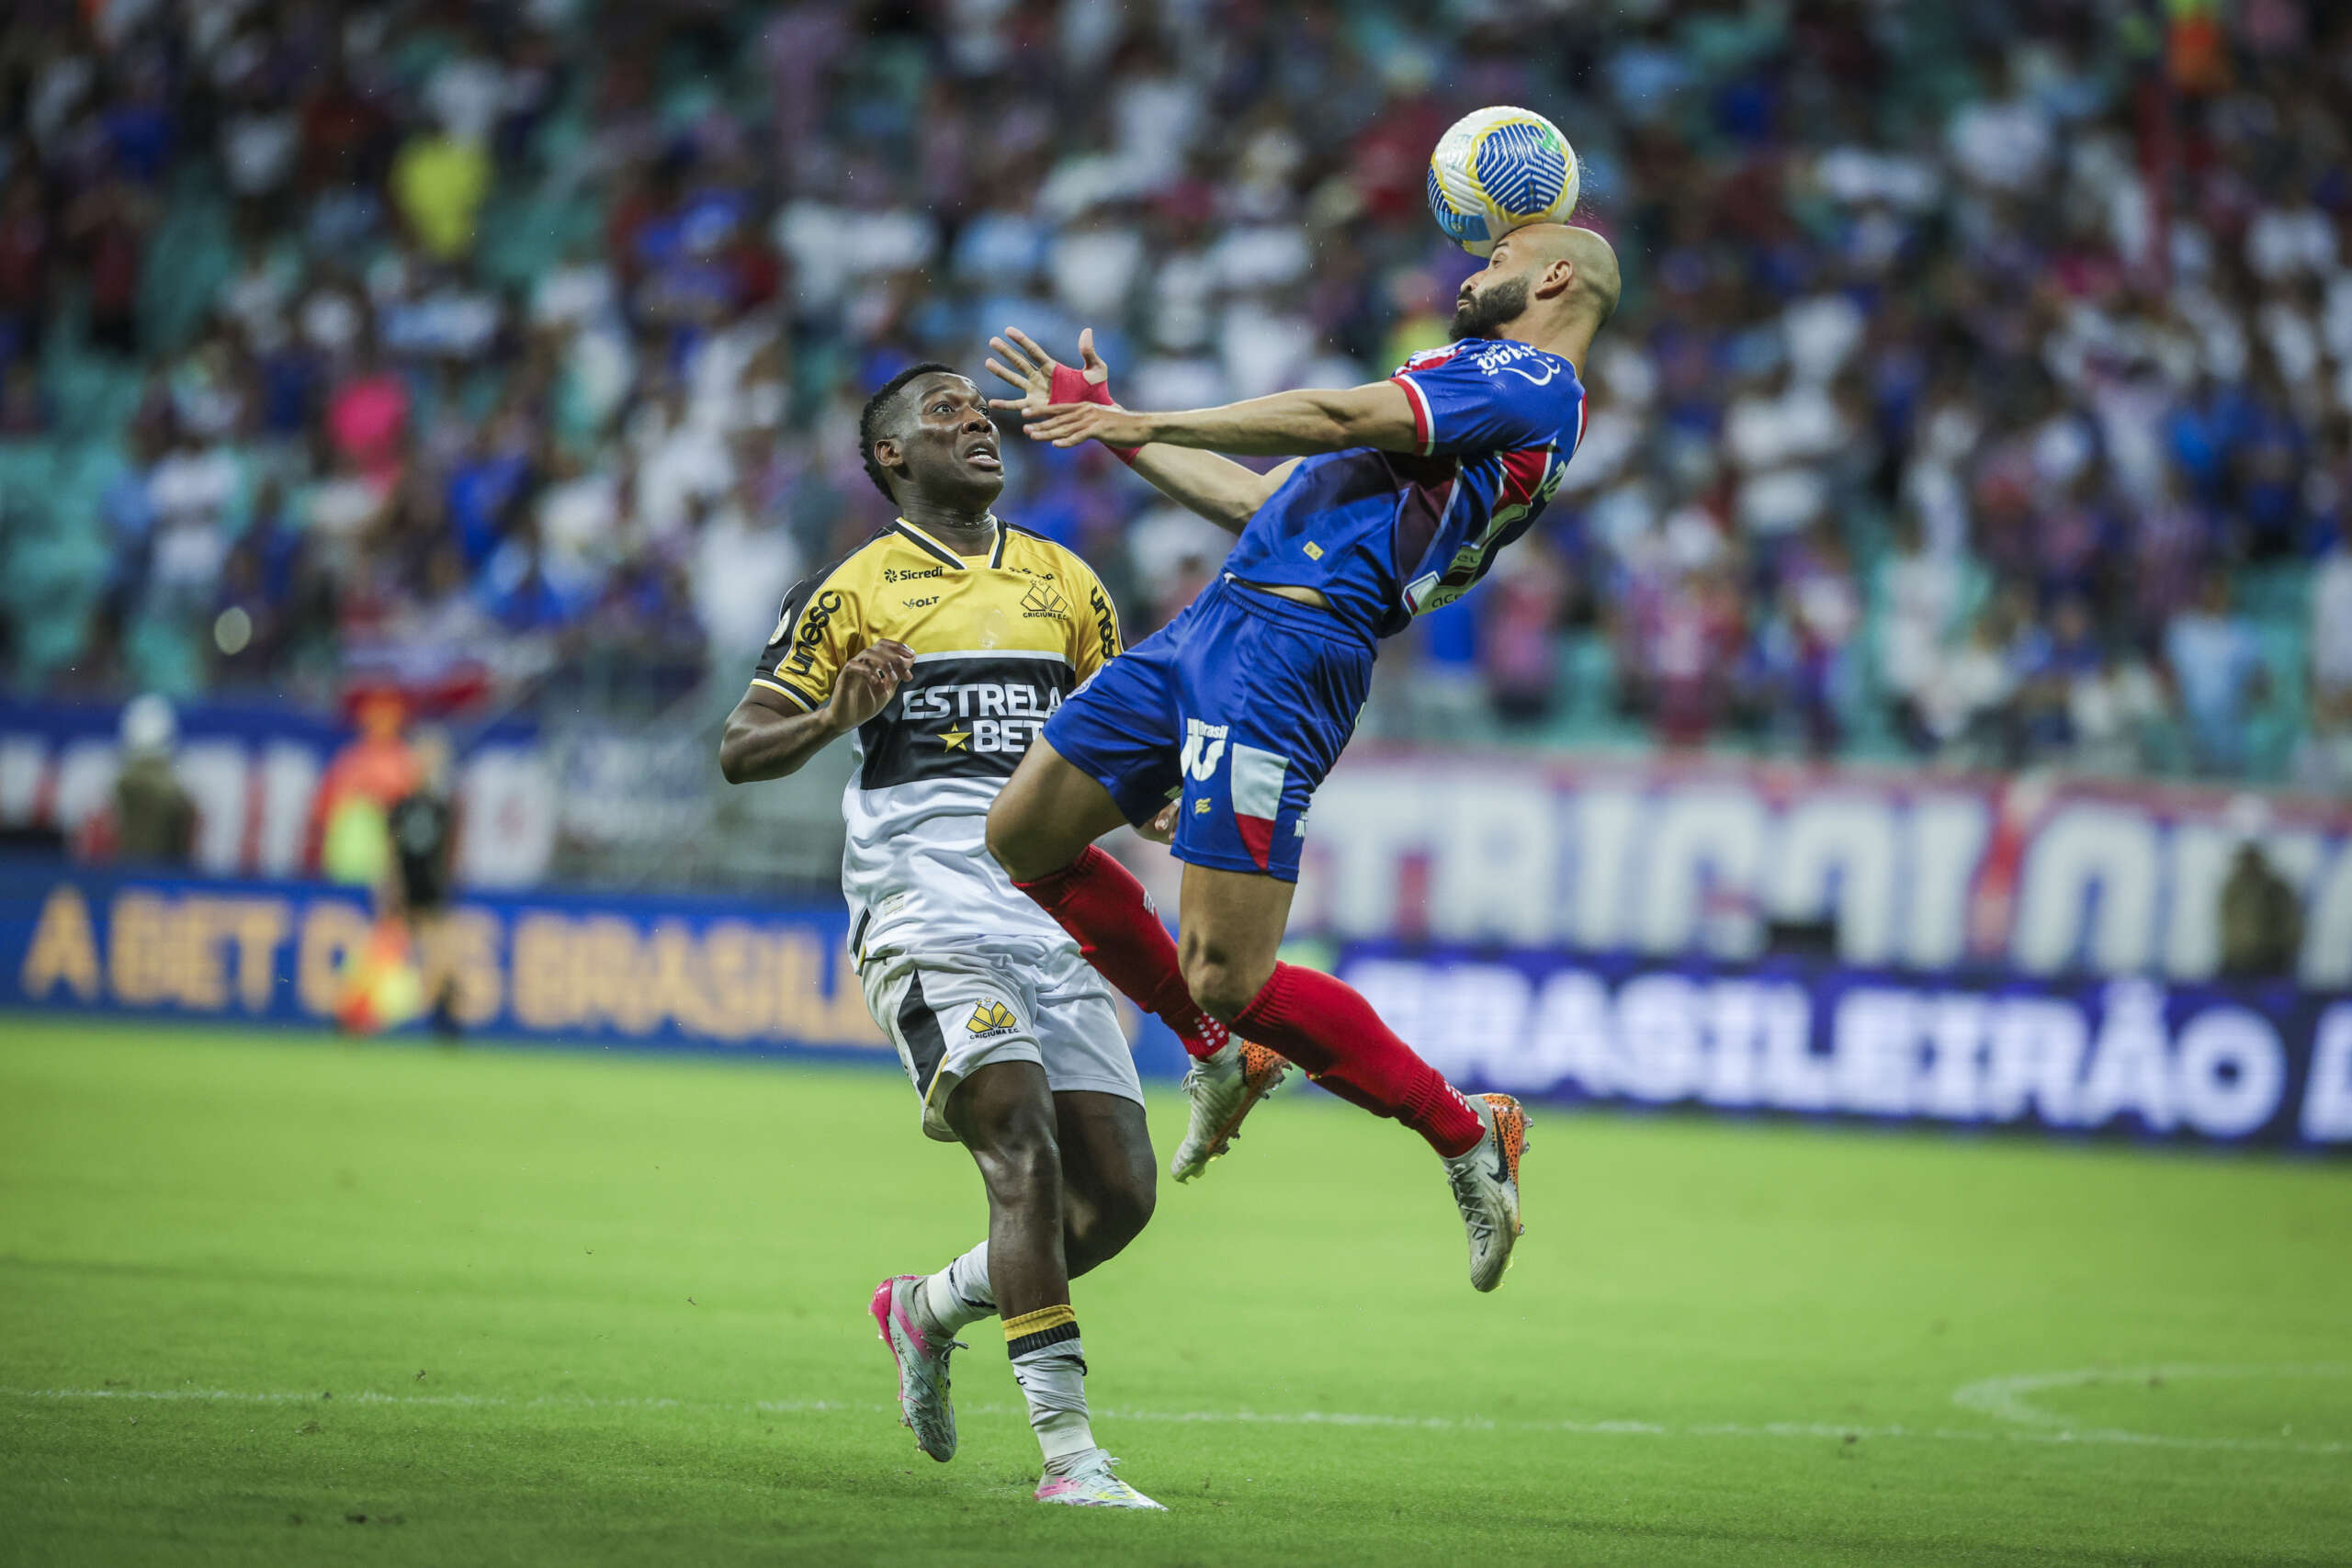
(1325, 1026)
(1098, 1222)
(1005, 1115)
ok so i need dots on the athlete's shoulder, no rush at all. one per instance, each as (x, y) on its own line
(1028, 548)
(1431, 358)
(1021, 538)
(816, 610)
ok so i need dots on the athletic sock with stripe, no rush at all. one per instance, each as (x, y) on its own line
(1050, 1366)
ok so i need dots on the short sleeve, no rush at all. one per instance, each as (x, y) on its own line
(816, 632)
(1095, 633)
(1476, 402)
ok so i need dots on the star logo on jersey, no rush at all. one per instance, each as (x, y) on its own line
(990, 1018)
(1041, 600)
(955, 739)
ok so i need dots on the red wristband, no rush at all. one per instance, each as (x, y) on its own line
(1072, 387)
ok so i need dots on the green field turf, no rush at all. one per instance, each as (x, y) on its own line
(588, 1308)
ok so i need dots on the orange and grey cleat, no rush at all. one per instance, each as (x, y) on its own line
(1222, 1088)
(1485, 1179)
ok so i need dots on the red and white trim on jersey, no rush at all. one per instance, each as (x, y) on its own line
(1524, 474)
(1257, 797)
(1424, 426)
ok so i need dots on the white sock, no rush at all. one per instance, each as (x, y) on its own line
(1050, 1365)
(959, 1293)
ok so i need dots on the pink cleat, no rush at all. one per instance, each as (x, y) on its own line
(922, 1361)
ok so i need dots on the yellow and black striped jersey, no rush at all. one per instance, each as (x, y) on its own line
(999, 642)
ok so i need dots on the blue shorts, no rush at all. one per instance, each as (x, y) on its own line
(1244, 700)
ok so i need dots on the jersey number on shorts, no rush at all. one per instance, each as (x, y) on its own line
(1204, 745)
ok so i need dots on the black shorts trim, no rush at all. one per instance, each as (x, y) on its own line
(919, 1027)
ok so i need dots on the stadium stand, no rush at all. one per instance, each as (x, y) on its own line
(1983, 390)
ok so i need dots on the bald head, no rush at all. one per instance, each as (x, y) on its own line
(1595, 282)
(1598, 280)
(1554, 284)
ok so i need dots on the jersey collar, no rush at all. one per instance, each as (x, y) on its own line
(932, 547)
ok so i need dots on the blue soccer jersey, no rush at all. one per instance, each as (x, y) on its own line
(1386, 536)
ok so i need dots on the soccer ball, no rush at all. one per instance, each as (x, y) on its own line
(1499, 169)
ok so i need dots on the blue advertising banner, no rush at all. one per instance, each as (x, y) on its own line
(2220, 1063)
(654, 972)
(728, 975)
(2216, 1063)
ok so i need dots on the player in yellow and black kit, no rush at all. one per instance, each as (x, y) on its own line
(942, 645)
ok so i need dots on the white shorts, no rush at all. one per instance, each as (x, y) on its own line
(953, 1011)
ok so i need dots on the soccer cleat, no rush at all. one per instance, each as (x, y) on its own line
(922, 1365)
(1222, 1088)
(1089, 1483)
(1486, 1187)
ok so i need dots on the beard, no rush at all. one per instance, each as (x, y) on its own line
(1485, 311)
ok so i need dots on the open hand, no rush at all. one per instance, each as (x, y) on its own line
(1031, 369)
(867, 683)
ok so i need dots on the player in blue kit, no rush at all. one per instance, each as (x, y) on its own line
(1400, 493)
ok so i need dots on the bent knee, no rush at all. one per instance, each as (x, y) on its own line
(1123, 1212)
(1222, 983)
(1003, 837)
(1106, 1220)
(1025, 851)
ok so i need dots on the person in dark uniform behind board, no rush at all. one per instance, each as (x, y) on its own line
(154, 818)
(423, 824)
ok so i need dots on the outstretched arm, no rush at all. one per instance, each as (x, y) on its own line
(1225, 492)
(1287, 424)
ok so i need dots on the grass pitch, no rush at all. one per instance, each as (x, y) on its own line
(283, 1299)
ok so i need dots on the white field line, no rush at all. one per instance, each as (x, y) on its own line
(1810, 1430)
(2004, 1397)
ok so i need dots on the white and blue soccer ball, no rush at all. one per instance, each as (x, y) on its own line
(1499, 169)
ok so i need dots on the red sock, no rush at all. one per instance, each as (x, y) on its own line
(1099, 901)
(1332, 1083)
(1327, 1026)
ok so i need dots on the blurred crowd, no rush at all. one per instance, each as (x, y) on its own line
(1983, 390)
